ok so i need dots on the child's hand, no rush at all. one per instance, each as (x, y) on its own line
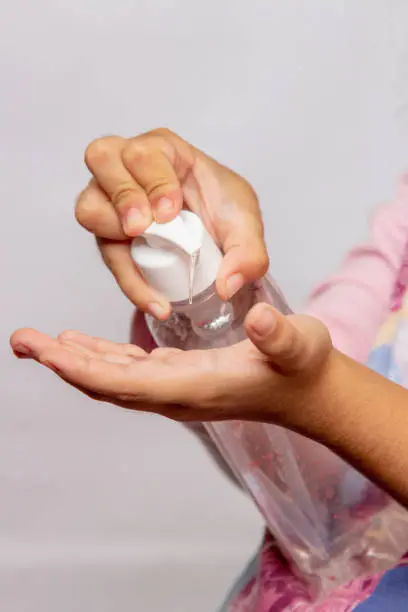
(271, 377)
(136, 180)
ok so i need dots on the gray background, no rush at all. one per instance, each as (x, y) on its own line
(107, 511)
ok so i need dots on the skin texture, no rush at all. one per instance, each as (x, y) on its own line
(287, 372)
(151, 177)
(195, 385)
(363, 417)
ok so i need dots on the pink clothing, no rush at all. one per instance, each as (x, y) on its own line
(354, 303)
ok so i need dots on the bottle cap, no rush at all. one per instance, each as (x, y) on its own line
(164, 252)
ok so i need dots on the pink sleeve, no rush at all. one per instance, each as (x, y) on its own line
(354, 303)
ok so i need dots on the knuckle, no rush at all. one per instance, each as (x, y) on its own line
(99, 345)
(263, 262)
(252, 194)
(164, 354)
(142, 149)
(85, 210)
(291, 348)
(136, 150)
(97, 152)
(163, 132)
(133, 351)
(149, 154)
(65, 335)
(123, 193)
(159, 185)
(282, 337)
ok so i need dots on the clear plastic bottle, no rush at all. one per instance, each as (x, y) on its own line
(330, 521)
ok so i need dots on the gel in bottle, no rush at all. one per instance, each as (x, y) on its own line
(181, 260)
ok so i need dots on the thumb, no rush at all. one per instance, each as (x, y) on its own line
(292, 344)
(245, 256)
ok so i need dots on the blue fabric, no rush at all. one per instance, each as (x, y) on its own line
(381, 360)
(391, 594)
(248, 574)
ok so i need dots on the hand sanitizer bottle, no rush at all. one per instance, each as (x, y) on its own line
(180, 260)
(297, 484)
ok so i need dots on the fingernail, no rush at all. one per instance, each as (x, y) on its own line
(133, 221)
(22, 349)
(234, 284)
(264, 323)
(158, 310)
(164, 207)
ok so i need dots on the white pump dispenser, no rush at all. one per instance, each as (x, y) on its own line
(164, 254)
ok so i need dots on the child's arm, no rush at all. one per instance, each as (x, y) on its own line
(354, 303)
(289, 375)
(363, 418)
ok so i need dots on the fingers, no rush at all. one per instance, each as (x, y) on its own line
(102, 372)
(100, 345)
(117, 257)
(23, 340)
(148, 159)
(144, 383)
(240, 230)
(139, 177)
(245, 259)
(110, 357)
(94, 211)
(138, 180)
(104, 159)
(289, 348)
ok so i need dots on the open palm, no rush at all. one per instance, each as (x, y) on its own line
(257, 379)
(180, 385)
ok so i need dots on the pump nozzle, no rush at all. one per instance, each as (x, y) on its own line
(187, 235)
(163, 255)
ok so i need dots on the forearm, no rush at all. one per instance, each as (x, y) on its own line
(363, 418)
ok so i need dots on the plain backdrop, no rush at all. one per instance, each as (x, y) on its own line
(103, 510)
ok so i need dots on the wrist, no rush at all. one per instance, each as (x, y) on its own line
(304, 402)
(351, 409)
(324, 411)
(315, 405)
